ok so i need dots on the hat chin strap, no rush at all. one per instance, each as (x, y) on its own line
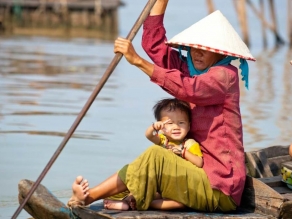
(226, 61)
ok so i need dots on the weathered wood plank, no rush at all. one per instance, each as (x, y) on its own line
(277, 150)
(42, 203)
(70, 4)
(267, 162)
(77, 18)
(264, 162)
(277, 184)
(283, 190)
(274, 181)
(262, 198)
(287, 164)
(90, 214)
(254, 166)
(288, 196)
(275, 163)
(286, 210)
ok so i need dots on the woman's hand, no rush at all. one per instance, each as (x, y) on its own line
(125, 47)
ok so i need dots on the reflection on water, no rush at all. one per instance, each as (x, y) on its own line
(266, 112)
(44, 82)
(81, 134)
(34, 71)
(284, 117)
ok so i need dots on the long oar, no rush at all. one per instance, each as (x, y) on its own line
(87, 105)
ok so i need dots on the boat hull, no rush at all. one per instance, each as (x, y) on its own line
(44, 205)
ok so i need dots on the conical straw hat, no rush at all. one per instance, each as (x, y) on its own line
(213, 33)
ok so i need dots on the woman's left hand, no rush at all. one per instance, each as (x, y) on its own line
(125, 47)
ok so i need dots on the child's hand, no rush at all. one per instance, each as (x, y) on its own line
(176, 149)
(159, 125)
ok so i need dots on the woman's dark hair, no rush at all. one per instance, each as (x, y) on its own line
(171, 104)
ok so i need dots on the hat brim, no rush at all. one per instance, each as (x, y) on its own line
(219, 51)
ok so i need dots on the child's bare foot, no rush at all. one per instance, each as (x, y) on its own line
(115, 205)
(80, 189)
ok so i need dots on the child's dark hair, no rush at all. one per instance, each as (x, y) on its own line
(171, 104)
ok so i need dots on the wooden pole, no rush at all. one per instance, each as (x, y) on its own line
(144, 14)
(268, 25)
(98, 11)
(241, 11)
(65, 11)
(42, 7)
(278, 40)
(243, 18)
(290, 23)
(210, 5)
(265, 42)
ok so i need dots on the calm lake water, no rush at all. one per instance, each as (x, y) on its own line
(45, 82)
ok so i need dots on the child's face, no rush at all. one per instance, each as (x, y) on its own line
(178, 125)
(203, 59)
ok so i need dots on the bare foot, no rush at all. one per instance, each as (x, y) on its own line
(115, 205)
(80, 189)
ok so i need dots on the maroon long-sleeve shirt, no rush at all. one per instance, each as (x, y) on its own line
(214, 98)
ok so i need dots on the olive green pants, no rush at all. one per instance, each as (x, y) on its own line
(160, 170)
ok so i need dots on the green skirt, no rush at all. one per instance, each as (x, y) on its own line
(160, 170)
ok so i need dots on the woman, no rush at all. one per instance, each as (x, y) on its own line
(207, 80)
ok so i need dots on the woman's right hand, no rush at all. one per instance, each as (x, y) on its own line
(125, 47)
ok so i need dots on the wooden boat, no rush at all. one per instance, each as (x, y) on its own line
(265, 195)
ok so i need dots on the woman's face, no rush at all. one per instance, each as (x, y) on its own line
(203, 59)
